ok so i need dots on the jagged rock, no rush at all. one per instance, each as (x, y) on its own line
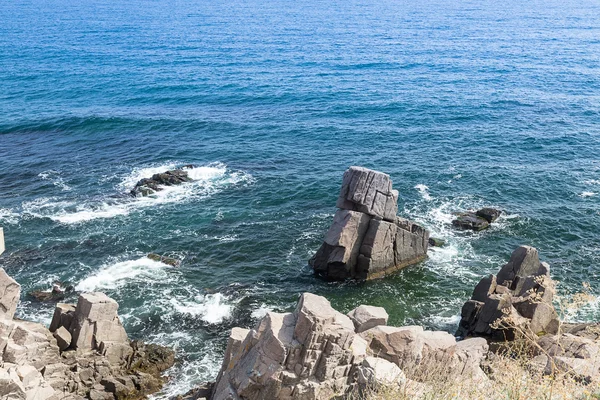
(10, 291)
(57, 293)
(87, 346)
(315, 353)
(63, 338)
(369, 192)
(149, 186)
(366, 239)
(519, 298)
(173, 262)
(375, 372)
(367, 317)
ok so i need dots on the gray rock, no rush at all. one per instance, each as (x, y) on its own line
(369, 192)
(366, 240)
(470, 221)
(63, 338)
(367, 317)
(436, 242)
(489, 214)
(10, 292)
(149, 186)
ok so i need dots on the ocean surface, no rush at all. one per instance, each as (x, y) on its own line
(464, 103)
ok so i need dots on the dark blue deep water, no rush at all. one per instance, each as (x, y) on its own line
(464, 104)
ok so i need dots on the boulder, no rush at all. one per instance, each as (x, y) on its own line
(470, 221)
(489, 214)
(366, 239)
(367, 317)
(314, 353)
(519, 298)
(436, 242)
(10, 292)
(149, 186)
(63, 338)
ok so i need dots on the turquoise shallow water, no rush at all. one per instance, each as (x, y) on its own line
(464, 104)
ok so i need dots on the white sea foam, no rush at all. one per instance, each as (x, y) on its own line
(587, 194)
(55, 178)
(208, 180)
(424, 190)
(592, 182)
(115, 275)
(211, 308)
(9, 216)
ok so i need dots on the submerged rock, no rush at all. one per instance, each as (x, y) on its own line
(476, 220)
(149, 186)
(366, 239)
(436, 242)
(164, 259)
(58, 292)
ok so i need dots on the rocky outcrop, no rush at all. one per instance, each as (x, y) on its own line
(518, 298)
(149, 186)
(317, 352)
(367, 239)
(476, 220)
(173, 262)
(85, 353)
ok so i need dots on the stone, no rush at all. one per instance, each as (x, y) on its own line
(366, 239)
(367, 317)
(236, 338)
(63, 338)
(96, 306)
(369, 192)
(2, 246)
(63, 316)
(489, 214)
(520, 297)
(470, 221)
(375, 372)
(436, 242)
(10, 292)
(156, 183)
(173, 262)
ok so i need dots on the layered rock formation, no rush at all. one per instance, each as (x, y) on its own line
(367, 239)
(85, 353)
(149, 186)
(518, 298)
(317, 352)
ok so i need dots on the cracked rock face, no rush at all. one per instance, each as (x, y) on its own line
(367, 239)
(522, 292)
(317, 352)
(85, 354)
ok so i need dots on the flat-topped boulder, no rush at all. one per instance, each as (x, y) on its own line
(367, 239)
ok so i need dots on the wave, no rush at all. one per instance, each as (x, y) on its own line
(208, 180)
(55, 178)
(424, 190)
(113, 276)
(211, 308)
(587, 194)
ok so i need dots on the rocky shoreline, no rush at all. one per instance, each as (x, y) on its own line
(314, 352)
(85, 353)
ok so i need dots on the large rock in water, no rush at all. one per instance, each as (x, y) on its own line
(521, 293)
(367, 239)
(149, 186)
(317, 353)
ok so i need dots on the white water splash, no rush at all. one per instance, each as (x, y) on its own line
(587, 194)
(424, 190)
(211, 308)
(113, 276)
(55, 178)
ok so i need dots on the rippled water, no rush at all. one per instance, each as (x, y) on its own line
(464, 104)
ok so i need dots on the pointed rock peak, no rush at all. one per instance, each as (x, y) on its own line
(523, 262)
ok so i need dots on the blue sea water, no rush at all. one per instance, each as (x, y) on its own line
(463, 103)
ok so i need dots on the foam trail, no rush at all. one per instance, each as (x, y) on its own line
(424, 190)
(121, 273)
(587, 194)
